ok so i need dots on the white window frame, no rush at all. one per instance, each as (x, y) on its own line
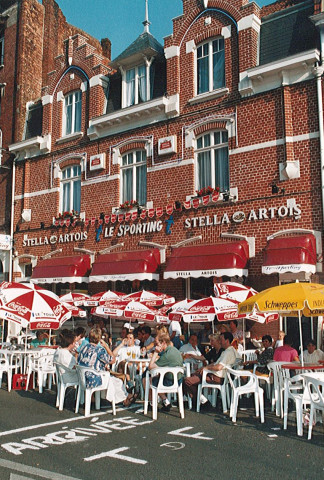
(210, 65)
(71, 180)
(147, 63)
(212, 148)
(2, 48)
(76, 98)
(133, 166)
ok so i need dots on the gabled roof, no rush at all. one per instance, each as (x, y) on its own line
(287, 32)
(145, 44)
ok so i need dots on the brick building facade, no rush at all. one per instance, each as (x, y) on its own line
(233, 101)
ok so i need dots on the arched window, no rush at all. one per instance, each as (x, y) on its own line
(212, 160)
(133, 175)
(210, 65)
(72, 113)
(71, 189)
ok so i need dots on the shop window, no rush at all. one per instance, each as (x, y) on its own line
(72, 113)
(212, 160)
(133, 174)
(210, 66)
(71, 189)
(1, 48)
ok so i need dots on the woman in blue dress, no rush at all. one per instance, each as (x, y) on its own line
(95, 355)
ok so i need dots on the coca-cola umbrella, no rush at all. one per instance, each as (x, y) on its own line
(75, 311)
(205, 309)
(151, 299)
(130, 310)
(94, 300)
(178, 309)
(233, 291)
(32, 306)
(73, 298)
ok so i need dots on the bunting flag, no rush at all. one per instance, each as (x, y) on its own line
(187, 204)
(93, 220)
(143, 214)
(151, 212)
(159, 211)
(205, 200)
(100, 221)
(56, 222)
(134, 215)
(75, 221)
(67, 222)
(128, 216)
(62, 222)
(169, 209)
(87, 221)
(107, 218)
(120, 217)
(113, 218)
(215, 196)
(195, 202)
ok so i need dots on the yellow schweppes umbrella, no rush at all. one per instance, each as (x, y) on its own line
(292, 299)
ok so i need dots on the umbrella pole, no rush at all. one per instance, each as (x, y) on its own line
(301, 339)
(244, 337)
(49, 338)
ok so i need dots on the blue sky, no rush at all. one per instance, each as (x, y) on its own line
(121, 20)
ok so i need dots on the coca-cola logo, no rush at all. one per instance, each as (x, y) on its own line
(58, 309)
(200, 309)
(21, 309)
(229, 315)
(42, 325)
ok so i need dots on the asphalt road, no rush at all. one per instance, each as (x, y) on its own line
(39, 442)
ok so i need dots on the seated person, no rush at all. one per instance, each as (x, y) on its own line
(286, 353)
(127, 350)
(64, 355)
(263, 357)
(313, 355)
(80, 339)
(237, 334)
(280, 341)
(95, 355)
(165, 355)
(213, 355)
(41, 339)
(203, 335)
(191, 353)
(175, 333)
(146, 338)
(227, 359)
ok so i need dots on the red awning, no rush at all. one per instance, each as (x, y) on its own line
(135, 265)
(290, 254)
(74, 269)
(220, 259)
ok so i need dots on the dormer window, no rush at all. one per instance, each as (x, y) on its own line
(137, 85)
(210, 66)
(72, 113)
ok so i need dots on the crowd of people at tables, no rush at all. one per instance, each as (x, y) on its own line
(169, 347)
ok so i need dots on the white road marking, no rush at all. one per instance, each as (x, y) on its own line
(34, 471)
(67, 420)
(174, 445)
(198, 435)
(13, 476)
(115, 454)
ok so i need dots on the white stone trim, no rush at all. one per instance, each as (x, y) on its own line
(172, 164)
(47, 99)
(70, 137)
(37, 194)
(59, 96)
(227, 32)
(274, 143)
(202, 97)
(251, 21)
(84, 87)
(191, 46)
(100, 80)
(173, 51)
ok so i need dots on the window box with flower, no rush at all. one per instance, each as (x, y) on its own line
(129, 205)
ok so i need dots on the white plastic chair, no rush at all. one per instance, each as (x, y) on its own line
(5, 368)
(88, 391)
(42, 366)
(215, 387)
(315, 388)
(62, 385)
(252, 386)
(264, 377)
(278, 387)
(294, 390)
(160, 388)
(249, 355)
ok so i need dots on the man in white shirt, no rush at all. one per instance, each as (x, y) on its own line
(227, 359)
(175, 333)
(127, 350)
(191, 353)
(313, 355)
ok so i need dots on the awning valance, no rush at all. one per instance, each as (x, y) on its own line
(74, 269)
(220, 259)
(290, 254)
(135, 265)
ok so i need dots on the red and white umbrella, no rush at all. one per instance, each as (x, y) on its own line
(233, 291)
(32, 306)
(151, 299)
(95, 299)
(75, 311)
(178, 309)
(131, 311)
(76, 299)
(205, 309)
